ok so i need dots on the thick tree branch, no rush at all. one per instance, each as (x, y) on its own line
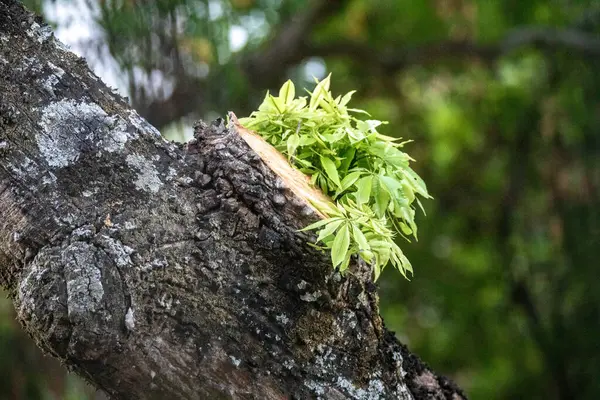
(161, 271)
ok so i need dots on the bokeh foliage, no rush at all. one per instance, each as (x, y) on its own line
(502, 99)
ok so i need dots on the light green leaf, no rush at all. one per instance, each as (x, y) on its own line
(331, 170)
(340, 246)
(408, 191)
(331, 227)
(313, 179)
(315, 225)
(287, 92)
(346, 98)
(345, 263)
(391, 184)
(363, 192)
(350, 179)
(382, 198)
(347, 159)
(405, 228)
(319, 93)
(328, 208)
(360, 238)
(368, 125)
(292, 144)
(306, 140)
(416, 181)
(267, 105)
(278, 105)
(376, 272)
(355, 135)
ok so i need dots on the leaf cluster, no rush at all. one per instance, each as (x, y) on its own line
(366, 174)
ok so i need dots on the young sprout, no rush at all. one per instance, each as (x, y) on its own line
(366, 174)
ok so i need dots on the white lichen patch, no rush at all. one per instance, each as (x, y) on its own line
(130, 319)
(374, 391)
(68, 125)
(128, 225)
(118, 135)
(62, 123)
(141, 124)
(309, 297)
(27, 287)
(40, 33)
(49, 178)
(84, 279)
(302, 285)
(49, 83)
(282, 318)
(59, 72)
(317, 388)
(147, 177)
(117, 250)
(171, 173)
(26, 168)
(53, 79)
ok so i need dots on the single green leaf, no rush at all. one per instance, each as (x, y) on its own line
(350, 179)
(331, 170)
(405, 228)
(392, 185)
(278, 106)
(292, 144)
(306, 140)
(315, 225)
(340, 246)
(313, 179)
(409, 193)
(331, 227)
(360, 238)
(319, 93)
(355, 135)
(327, 208)
(345, 263)
(363, 192)
(346, 98)
(416, 182)
(287, 92)
(382, 198)
(347, 159)
(376, 272)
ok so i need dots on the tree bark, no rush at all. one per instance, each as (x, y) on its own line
(165, 271)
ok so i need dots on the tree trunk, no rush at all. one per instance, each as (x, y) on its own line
(165, 271)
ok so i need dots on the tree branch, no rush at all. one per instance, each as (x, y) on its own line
(393, 59)
(161, 271)
(288, 46)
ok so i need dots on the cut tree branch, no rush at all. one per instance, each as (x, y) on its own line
(163, 271)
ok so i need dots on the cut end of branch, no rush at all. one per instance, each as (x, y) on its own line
(296, 181)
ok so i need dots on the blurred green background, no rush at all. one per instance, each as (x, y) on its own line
(502, 100)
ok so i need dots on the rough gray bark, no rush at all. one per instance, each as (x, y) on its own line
(163, 271)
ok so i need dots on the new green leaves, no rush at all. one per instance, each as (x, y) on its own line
(364, 172)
